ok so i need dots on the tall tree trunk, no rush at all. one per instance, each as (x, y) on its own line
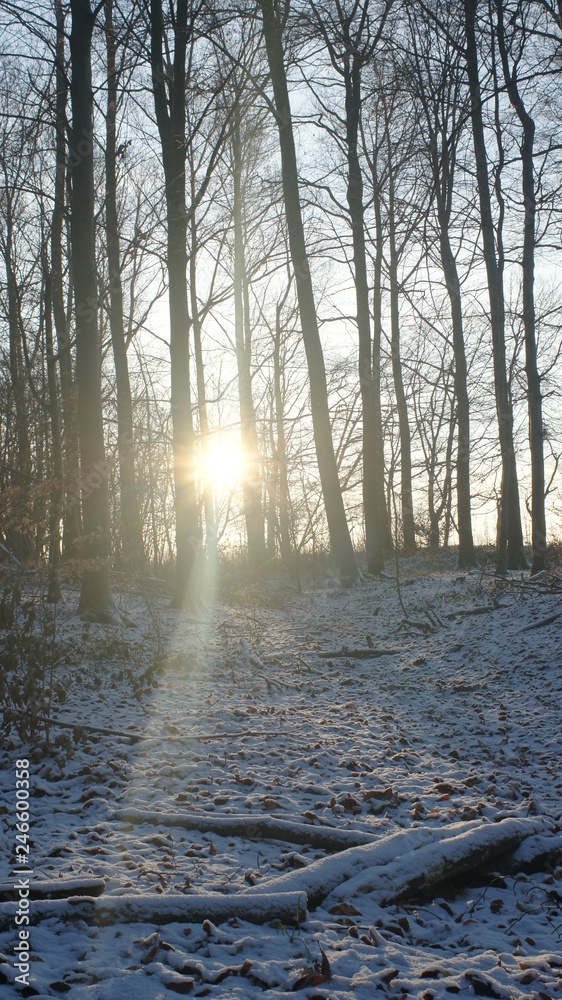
(534, 395)
(22, 467)
(464, 526)
(340, 538)
(383, 509)
(207, 491)
(95, 596)
(408, 528)
(20, 543)
(281, 449)
(373, 468)
(132, 545)
(69, 400)
(171, 128)
(57, 495)
(253, 512)
(510, 543)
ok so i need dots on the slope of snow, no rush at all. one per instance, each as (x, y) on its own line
(249, 717)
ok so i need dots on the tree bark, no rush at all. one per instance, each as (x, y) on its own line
(373, 468)
(510, 544)
(340, 538)
(175, 907)
(171, 128)
(251, 484)
(95, 595)
(57, 494)
(207, 490)
(132, 546)
(534, 395)
(408, 527)
(69, 401)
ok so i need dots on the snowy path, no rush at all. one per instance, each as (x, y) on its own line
(247, 719)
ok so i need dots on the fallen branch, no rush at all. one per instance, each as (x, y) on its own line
(252, 827)
(102, 730)
(287, 907)
(543, 621)
(358, 654)
(405, 863)
(168, 737)
(539, 853)
(463, 612)
(59, 888)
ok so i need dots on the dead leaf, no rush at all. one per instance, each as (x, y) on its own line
(325, 966)
(345, 910)
(310, 978)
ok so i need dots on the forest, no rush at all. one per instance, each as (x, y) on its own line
(278, 280)
(280, 521)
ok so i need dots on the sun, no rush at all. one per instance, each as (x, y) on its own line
(222, 463)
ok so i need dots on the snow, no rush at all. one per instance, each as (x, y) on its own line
(247, 725)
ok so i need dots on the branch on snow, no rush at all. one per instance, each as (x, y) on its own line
(406, 863)
(287, 907)
(253, 827)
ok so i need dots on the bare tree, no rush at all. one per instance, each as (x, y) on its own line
(440, 91)
(510, 544)
(511, 51)
(351, 33)
(130, 524)
(95, 595)
(274, 16)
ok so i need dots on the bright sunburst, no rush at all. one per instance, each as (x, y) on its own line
(222, 463)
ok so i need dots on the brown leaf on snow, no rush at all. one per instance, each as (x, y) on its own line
(325, 968)
(180, 985)
(310, 978)
(375, 793)
(351, 804)
(345, 910)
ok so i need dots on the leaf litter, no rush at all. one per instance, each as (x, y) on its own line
(262, 715)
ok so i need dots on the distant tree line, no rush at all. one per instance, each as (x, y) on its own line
(331, 228)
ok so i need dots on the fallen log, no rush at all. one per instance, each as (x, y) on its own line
(404, 863)
(535, 854)
(52, 888)
(167, 737)
(358, 654)
(463, 612)
(252, 827)
(287, 907)
(542, 622)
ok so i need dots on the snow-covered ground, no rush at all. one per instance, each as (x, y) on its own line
(456, 728)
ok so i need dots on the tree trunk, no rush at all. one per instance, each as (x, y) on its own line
(510, 544)
(251, 484)
(69, 400)
(132, 546)
(534, 396)
(20, 542)
(408, 528)
(281, 451)
(383, 507)
(340, 539)
(95, 596)
(207, 491)
(374, 525)
(464, 525)
(171, 128)
(57, 496)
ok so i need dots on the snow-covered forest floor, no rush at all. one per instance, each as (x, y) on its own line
(274, 707)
